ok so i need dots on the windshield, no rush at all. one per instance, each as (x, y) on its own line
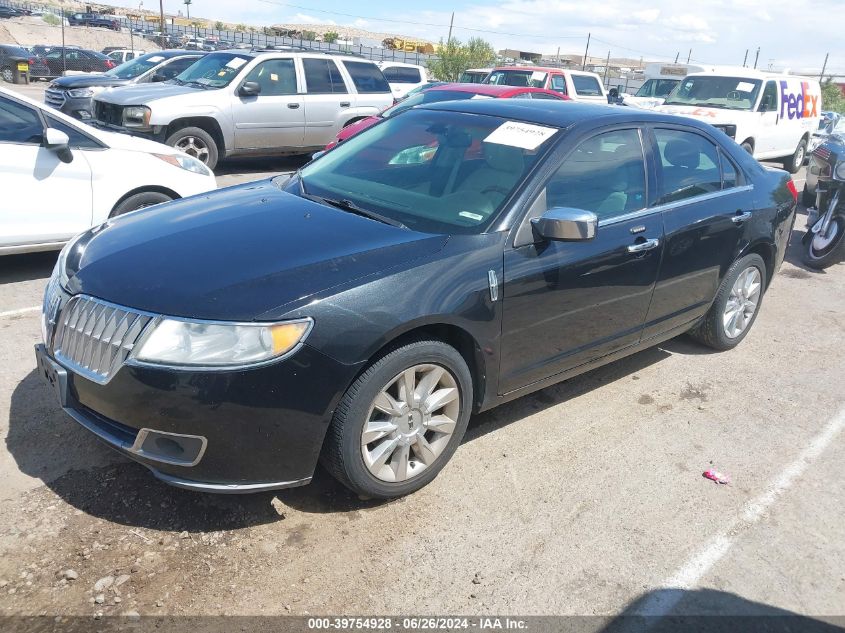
(730, 93)
(214, 71)
(657, 87)
(472, 77)
(433, 171)
(430, 96)
(522, 78)
(135, 67)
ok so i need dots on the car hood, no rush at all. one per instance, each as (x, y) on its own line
(88, 81)
(237, 253)
(708, 115)
(137, 94)
(353, 128)
(129, 143)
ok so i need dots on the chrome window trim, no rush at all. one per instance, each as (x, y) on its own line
(673, 205)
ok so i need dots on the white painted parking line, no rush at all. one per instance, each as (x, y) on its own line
(11, 313)
(688, 576)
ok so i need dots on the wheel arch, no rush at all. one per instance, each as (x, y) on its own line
(767, 251)
(207, 123)
(145, 189)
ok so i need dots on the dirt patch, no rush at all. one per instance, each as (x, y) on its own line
(31, 31)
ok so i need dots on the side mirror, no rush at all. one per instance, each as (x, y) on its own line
(250, 89)
(566, 225)
(58, 142)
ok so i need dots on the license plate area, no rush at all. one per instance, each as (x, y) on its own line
(53, 374)
(23, 66)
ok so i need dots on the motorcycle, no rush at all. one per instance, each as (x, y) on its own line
(824, 243)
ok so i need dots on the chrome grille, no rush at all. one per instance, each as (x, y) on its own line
(94, 338)
(54, 98)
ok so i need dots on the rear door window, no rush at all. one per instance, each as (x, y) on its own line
(323, 77)
(689, 165)
(586, 86)
(367, 77)
(277, 77)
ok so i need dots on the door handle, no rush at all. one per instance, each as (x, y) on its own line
(345, 104)
(739, 218)
(642, 247)
(293, 106)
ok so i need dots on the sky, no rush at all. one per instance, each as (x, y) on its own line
(792, 34)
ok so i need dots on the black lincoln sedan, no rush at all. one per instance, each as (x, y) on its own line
(443, 262)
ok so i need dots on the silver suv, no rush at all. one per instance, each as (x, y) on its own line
(235, 103)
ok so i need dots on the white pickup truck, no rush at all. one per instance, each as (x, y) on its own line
(772, 116)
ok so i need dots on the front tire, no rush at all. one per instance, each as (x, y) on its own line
(826, 250)
(736, 305)
(794, 163)
(195, 142)
(140, 201)
(401, 421)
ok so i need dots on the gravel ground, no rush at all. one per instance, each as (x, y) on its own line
(585, 498)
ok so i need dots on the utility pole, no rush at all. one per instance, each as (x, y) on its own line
(451, 22)
(188, 7)
(689, 57)
(606, 68)
(161, 15)
(558, 55)
(745, 59)
(677, 55)
(64, 60)
(756, 57)
(824, 67)
(586, 52)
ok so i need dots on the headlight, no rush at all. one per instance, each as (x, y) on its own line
(136, 116)
(840, 171)
(219, 345)
(60, 269)
(185, 162)
(78, 93)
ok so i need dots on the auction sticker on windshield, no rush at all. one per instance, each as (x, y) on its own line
(236, 63)
(522, 135)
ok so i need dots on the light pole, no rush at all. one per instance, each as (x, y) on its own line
(187, 4)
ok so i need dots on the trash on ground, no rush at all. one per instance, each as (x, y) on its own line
(714, 475)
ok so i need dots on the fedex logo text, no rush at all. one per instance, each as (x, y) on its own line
(798, 106)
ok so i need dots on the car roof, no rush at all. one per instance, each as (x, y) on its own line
(488, 89)
(562, 114)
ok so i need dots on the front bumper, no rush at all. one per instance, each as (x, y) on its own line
(248, 430)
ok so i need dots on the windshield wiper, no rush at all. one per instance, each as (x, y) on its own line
(348, 205)
(196, 83)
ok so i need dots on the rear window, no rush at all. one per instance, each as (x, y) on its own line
(586, 86)
(367, 77)
(402, 75)
(16, 51)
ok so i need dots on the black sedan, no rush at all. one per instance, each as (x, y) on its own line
(443, 262)
(74, 94)
(59, 60)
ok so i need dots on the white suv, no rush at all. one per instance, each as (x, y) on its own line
(234, 103)
(59, 177)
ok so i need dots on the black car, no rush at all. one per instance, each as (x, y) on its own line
(11, 12)
(59, 60)
(442, 262)
(14, 58)
(74, 94)
(93, 19)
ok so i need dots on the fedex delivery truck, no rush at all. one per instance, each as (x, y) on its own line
(772, 116)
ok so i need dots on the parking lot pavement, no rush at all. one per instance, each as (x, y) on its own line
(584, 498)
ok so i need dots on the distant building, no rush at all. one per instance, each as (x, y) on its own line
(523, 56)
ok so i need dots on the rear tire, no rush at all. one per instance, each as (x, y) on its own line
(195, 142)
(8, 75)
(140, 201)
(748, 147)
(743, 285)
(794, 163)
(416, 442)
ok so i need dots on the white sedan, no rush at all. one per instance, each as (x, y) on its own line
(59, 177)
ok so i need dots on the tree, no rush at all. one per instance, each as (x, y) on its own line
(241, 28)
(832, 98)
(309, 35)
(331, 37)
(219, 26)
(453, 58)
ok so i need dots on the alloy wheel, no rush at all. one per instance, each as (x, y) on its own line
(742, 302)
(8, 76)
(193, 146)
(410, 423)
